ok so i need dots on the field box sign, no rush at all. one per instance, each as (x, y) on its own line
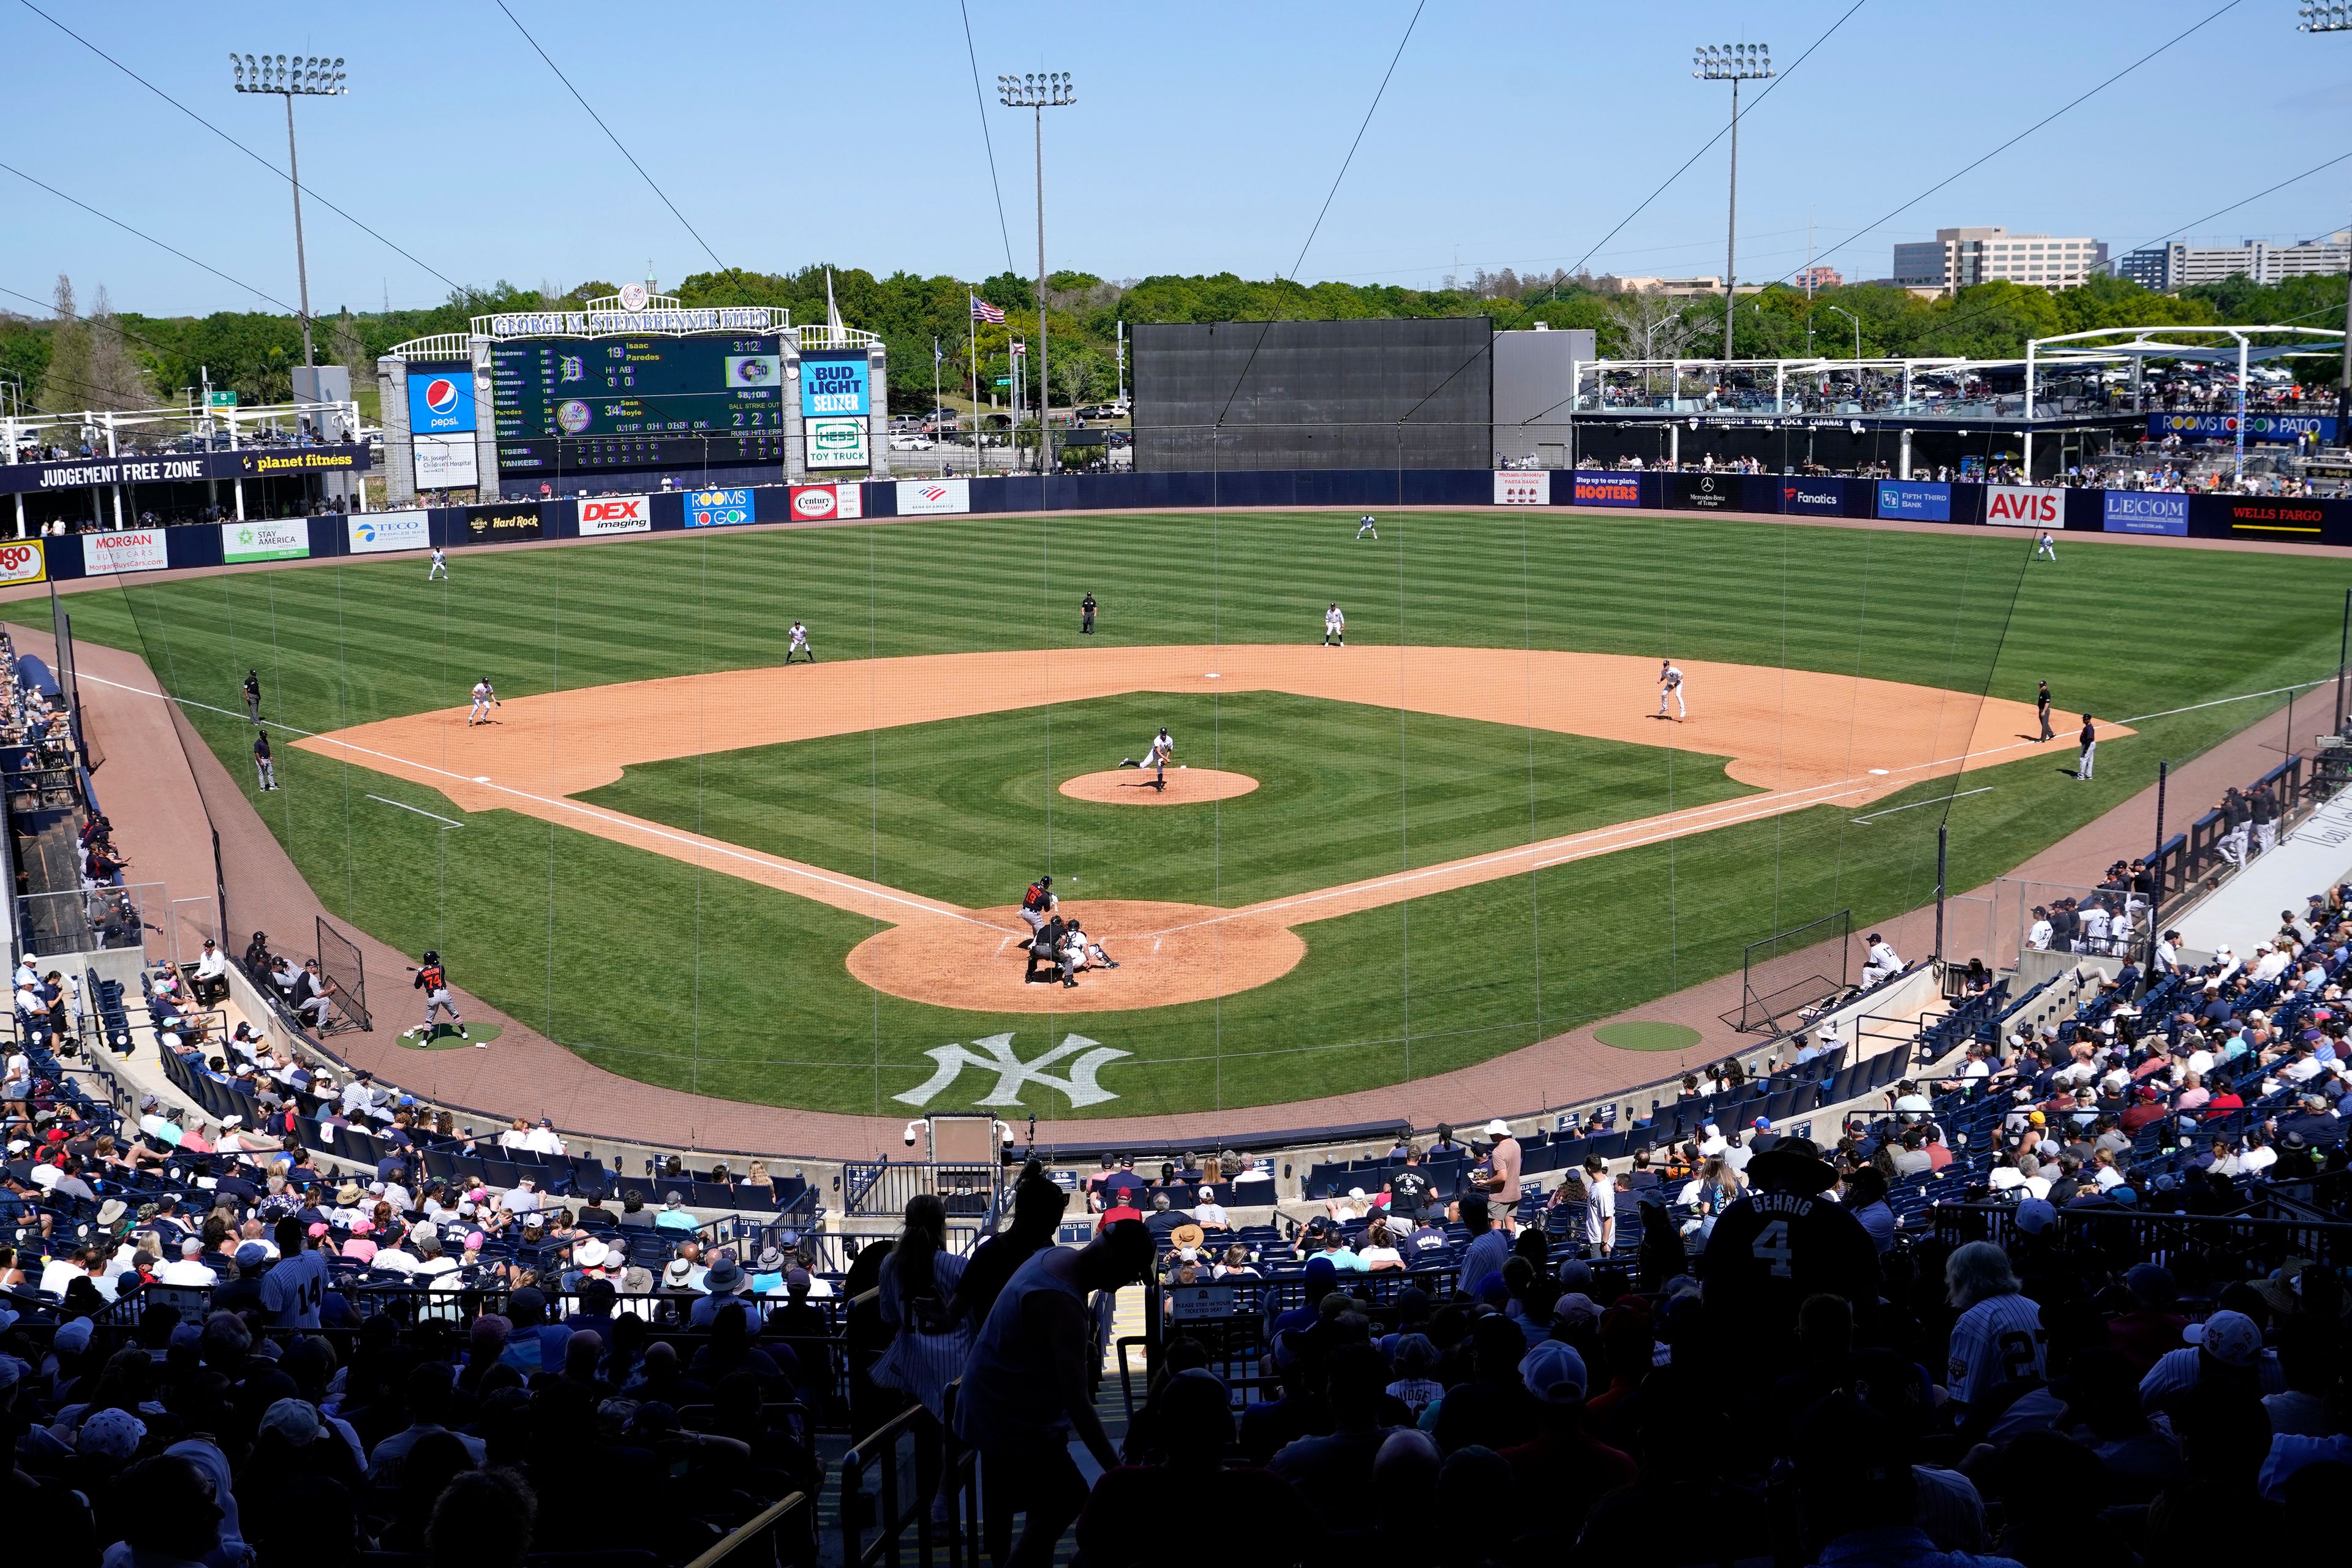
(600, 515)
(242, 542)
(378, 532)
(837, 441)
(2144, 512)
(22, 560)
(1917, 499)
(718, 509)
(1607, 490)
(815, 503)
(126, 549)
(1523, 489)
(930, 497)
(2024, 506)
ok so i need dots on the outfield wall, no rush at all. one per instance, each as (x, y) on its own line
(2298, 521)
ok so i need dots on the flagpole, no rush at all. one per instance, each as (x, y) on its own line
(935, 386)
(971, 319)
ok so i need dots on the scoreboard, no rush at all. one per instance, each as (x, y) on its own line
(625, 401)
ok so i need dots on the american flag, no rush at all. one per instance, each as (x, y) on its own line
(982, 310)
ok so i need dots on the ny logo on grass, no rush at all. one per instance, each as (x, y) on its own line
(1012, 1072)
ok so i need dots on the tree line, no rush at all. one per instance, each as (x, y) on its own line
(101, 359)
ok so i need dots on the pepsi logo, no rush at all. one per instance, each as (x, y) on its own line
(441, 394)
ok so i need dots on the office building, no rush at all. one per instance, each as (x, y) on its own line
(1960, 258)
(2167, 268)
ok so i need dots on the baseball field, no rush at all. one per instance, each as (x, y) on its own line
(1464, 831)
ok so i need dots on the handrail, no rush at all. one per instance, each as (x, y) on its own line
(742, 1534)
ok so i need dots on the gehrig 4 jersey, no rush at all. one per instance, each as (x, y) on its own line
(1997, 1341)
(1770, 1250)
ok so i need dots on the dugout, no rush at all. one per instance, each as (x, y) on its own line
(1213, 396)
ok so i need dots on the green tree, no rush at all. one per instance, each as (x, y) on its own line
(65, 380)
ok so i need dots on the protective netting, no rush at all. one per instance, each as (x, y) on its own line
(1472, 820)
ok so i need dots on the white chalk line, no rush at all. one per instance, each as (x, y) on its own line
(1579, 847)
(418, 809)
(593, 813)
(1868, 817)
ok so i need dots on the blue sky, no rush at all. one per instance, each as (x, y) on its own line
(1204, 138)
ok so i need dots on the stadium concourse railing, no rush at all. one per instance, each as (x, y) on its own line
(2229, 1242)
(2183, 865)
(2309, 519)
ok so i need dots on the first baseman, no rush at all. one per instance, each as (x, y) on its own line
(798, 644)
(1335, 627)
(1670, 685)
(485, 699)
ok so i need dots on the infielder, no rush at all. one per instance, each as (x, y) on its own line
(1364, 525)
(798, 644)
(1156, 756)
(1670, 686)
(485, 699)
(1335, 627)
(2045, 548)
(434, 981)
(440, 567)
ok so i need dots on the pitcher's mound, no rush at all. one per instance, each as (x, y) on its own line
(1168, 953)
(1133, 786)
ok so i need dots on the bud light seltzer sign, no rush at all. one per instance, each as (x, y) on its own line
(835, 400)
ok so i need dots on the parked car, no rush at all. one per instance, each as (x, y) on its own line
(911, 441)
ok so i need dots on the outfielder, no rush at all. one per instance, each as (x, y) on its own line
(2045, 548)
(798, 644)
(1670, 686)
(1335, 627)
(440, 567)
(1364, 525)
(434, 981)
(1156, 756)
(485, 699)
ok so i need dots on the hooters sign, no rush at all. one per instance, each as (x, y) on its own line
(2022, 506)
(616, 514)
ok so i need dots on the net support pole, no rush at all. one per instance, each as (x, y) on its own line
(2343, 652)
(1943, 864)
(2156, 870)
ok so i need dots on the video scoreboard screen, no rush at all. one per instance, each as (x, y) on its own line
(623, 401)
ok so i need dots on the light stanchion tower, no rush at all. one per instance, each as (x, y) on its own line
(1734, 63)
(2319, 18)
(291, 76)
(1039, 91)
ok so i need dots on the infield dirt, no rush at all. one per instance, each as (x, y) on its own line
(1800, 738)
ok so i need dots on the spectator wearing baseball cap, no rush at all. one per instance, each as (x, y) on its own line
(1563, 1464)
(2226, 1347)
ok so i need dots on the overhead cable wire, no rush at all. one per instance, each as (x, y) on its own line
(314, 195)
(259, 293)
(1718, 136)
(1316, 228)
(986, 140)
(616, 141)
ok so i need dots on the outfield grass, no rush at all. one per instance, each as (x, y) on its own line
(696, 980)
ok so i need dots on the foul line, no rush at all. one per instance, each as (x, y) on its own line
(634, 825)
(1748, 808)
(418, 809)
(1915, 805)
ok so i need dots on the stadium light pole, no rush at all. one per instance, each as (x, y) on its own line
(1734, 63)
(1850, 316)
(1039, 91)
(291, 76)
(2323, 18)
